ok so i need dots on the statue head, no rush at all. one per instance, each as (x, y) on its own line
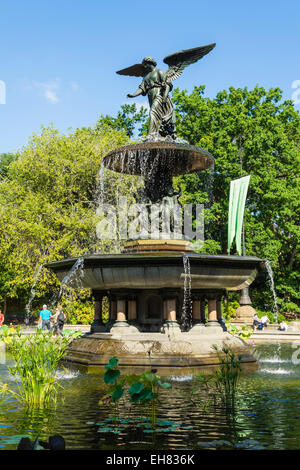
(149, 61)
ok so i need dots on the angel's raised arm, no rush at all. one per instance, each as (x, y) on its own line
(137, 93)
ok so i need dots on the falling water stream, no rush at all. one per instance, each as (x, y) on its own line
(187, 298)
(272, 286)
(28, 306)
(73, 278)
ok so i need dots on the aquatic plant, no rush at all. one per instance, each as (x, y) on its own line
(227, 375)
(220, 387)
(36, 361)
(141, 390)
(201, 394)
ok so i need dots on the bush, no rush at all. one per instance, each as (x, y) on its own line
(80, 313)
(288, 307)
(229, 309)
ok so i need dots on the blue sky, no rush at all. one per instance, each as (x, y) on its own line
(59, 58)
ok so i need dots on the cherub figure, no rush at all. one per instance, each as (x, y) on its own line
(158, 83)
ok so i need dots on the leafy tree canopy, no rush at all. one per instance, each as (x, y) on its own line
(249, 132)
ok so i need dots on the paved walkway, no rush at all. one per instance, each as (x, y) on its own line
(268, 335)
(273, 335)
(33, 328)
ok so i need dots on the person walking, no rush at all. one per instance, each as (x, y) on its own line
(44, 320)
(60, 319)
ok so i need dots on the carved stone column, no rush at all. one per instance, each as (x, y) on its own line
(212, 311)
(132, 314)
(170, 323)
(98, 325)
(213, 322)
(219, 310)
(202, 310)
(198, 325)
(121, 326)
(220, 318)
(113, 310)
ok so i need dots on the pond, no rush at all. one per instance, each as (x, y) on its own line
(267, 414)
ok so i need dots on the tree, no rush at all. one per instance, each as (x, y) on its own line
(5, 160)
(257, 133)
(127, 119)
(48, 205)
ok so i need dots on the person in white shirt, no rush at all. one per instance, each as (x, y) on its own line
(264, 321)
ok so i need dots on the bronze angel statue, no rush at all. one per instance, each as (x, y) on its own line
(158, 83)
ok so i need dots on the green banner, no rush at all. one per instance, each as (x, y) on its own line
(237, 199)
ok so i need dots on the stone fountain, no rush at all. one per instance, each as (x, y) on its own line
(164, 299)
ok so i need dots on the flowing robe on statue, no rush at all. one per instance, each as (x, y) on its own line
(162, 116)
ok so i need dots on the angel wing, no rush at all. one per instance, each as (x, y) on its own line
(137, 70)
(181, 59)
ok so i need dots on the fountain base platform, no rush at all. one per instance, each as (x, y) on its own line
(176, 350)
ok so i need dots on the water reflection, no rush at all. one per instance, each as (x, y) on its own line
(267, 413)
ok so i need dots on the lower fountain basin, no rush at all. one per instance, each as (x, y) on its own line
(182, 352)
(158, 270)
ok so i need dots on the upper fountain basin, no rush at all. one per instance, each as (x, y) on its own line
(160, 156)
(158, 270)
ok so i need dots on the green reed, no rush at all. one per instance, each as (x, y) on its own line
(227, 375)
(36, 361)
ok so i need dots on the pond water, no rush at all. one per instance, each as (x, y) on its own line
(267, 414)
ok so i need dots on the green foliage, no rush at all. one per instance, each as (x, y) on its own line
(288, 307)
(5, 160)
(142, 390)
(219, 388)
(48, 206)
(36, 360)
(4, 394)
(72, 334)
(78, 306)
(242, 331)
(256, 131)
(230, 308)
(127, 119)
(227, 376)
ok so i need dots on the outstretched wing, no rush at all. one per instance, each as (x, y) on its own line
(181, 59)
(137, 70)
